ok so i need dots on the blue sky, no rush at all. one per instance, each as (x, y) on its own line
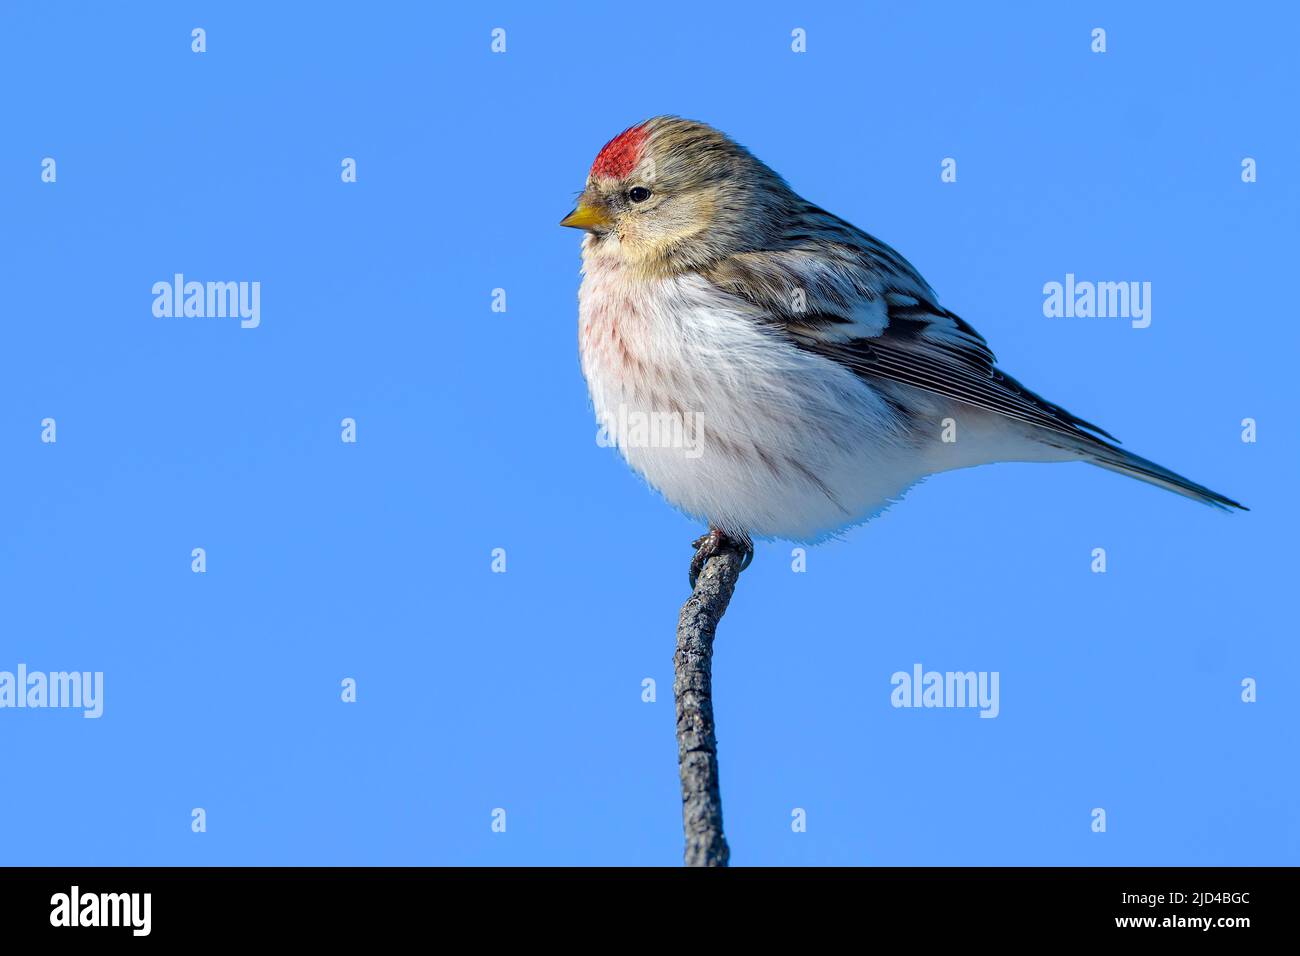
(523, 690)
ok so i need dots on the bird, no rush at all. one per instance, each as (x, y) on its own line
(808, 372)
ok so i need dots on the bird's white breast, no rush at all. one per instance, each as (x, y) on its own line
(732, 423)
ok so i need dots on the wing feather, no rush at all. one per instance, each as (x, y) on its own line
(837, 291)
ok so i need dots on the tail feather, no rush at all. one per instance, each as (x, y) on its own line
(1126, 463)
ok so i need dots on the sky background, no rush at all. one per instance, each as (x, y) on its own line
(523, 690)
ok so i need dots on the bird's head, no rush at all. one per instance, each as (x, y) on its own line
(671, 194)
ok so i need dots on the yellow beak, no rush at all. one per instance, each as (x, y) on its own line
(587, 216)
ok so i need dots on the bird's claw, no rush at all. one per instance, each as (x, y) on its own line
(714, 543)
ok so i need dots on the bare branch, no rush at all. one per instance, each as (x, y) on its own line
(697, 744)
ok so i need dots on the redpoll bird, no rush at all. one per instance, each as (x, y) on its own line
(809, 369)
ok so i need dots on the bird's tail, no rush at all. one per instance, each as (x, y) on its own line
(1107, 456)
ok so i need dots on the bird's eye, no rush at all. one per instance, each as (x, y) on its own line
(638, 194)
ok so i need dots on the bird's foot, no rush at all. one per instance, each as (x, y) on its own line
(715, 542)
